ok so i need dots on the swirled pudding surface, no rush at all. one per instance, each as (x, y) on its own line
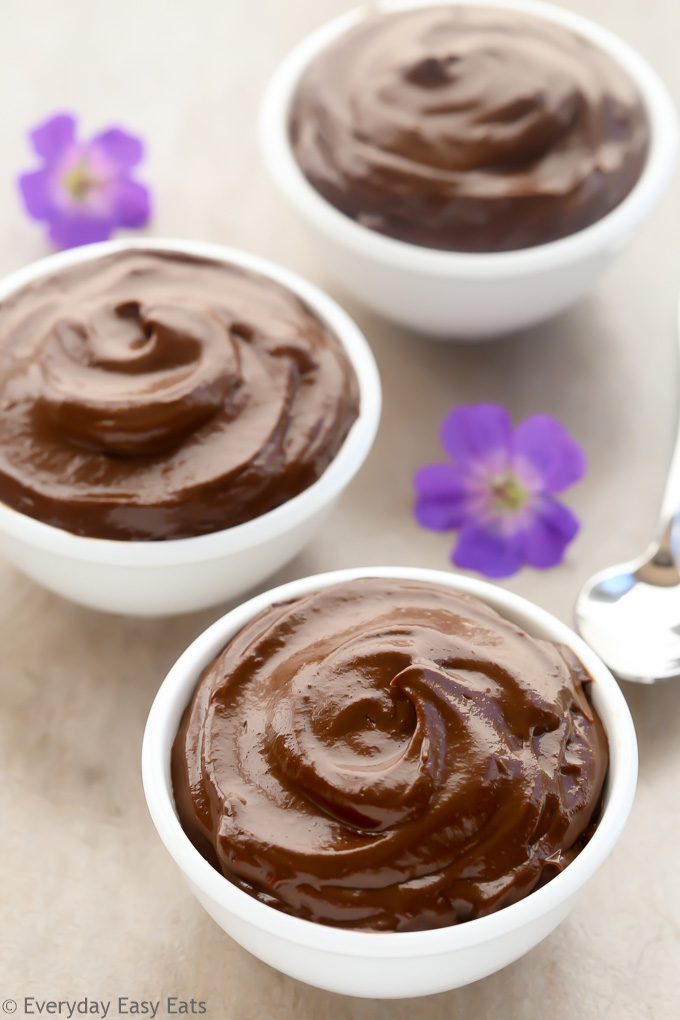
(389, 755)
(151, 395)
(468, 129)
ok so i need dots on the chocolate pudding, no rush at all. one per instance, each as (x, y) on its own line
(389, 755)
(469, 128)
(152, 395)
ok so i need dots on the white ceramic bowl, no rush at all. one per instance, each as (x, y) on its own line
(180, 575)
(456, 295)
(386, 965)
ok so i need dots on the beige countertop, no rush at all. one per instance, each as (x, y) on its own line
(91, 903)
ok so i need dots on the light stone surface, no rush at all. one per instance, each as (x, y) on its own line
(91, 904)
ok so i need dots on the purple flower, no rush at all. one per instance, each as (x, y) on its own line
(84, 189)
(497, 489)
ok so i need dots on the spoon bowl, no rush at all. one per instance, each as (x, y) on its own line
(630, 614)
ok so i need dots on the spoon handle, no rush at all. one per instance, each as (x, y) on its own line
(668, 531)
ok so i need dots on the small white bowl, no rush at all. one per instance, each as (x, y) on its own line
(455, 295)
(386, 965)
(180, 575)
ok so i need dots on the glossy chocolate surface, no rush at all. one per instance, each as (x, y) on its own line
(389, 755)
(469, 129)
(147, 395)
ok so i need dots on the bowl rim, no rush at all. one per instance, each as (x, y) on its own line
(324, 490)
(284, 170)
(179, 684)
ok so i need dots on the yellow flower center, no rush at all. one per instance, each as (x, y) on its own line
(508, 495)
(80, 180)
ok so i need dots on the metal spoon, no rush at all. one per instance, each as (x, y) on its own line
(630, 614)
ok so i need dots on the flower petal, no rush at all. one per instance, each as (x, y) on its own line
(37, 192)
(130, 203)
(544, 542)
(119, 148)
(56, 134)
(487, 551)
(555, 457)
(69, 231)
(443, 498)
(475, 432)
